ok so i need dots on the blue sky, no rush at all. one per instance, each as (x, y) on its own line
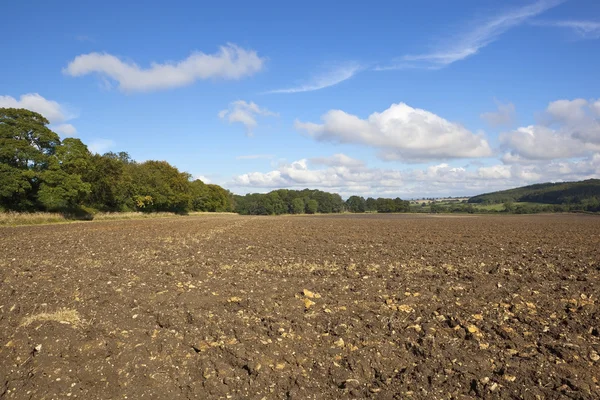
(388, 98)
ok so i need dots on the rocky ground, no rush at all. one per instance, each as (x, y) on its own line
(319, 307)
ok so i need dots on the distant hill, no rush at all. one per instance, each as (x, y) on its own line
(548, 193)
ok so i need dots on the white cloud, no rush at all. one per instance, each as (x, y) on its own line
(567, 110)
(203, 179)
(400, 132)
(230, 62)
(245, 113)
(584, 29)
(470, 42)
(100, 146)
(66, 130)
(337, 160)
(569, 128)
(355, 178)
(54, 112)
(336, 75)
(596, 108)
(435, 180)
(504, 116)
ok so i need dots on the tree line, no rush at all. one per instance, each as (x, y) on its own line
(39, 172)
(307, 201)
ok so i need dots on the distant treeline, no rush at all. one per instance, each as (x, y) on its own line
(308, 201)
(565, 196)
(38, 172)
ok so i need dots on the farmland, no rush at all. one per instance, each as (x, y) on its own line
(302, 307)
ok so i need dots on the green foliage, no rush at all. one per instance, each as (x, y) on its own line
(111, 183)
(312, 206)
(27, 146)
(356, 204)
(38, 172)
(60, 190)
(509, 207)
(581, 195)
(298, 206)
(25, 140)
(371, 204)
(169, 189)
(385, 205)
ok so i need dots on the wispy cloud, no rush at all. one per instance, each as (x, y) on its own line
(332, 77)
(470, 42)
(584, 29)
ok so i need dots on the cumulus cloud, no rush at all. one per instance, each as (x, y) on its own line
(569, 128)
(230, 62)
(336, 176)
(471, 41)
(435, 180)
(400, 132)
(503, 116)
(54, 112)
(332, 77)
(100, 146)
(245, 113)
(203, 179)
(584, 29)
(65, 130)
(595, 106)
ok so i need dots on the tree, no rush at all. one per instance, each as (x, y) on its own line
(62, 185)
(356, 204)
(509, 207)
(111, 183)
(371, 204)
(279, 207)
(169, 189)
(312, 206)
(60, 191)
(401, 205)
(74, 157)
(26, 148)
(298, 206)
(435, 208)
(385, 205)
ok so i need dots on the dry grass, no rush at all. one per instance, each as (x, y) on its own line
(106, 216)
(12, 218)
(62, 316)
(15, 218)
(38, 218)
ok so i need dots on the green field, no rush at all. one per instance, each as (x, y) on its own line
(500, 207)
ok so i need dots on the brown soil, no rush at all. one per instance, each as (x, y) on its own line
(326, 307)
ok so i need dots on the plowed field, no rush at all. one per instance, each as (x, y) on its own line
(313, 307)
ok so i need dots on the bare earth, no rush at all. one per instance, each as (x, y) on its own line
(325, 307)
